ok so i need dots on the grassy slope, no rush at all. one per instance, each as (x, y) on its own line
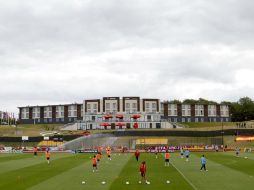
(27, 130)
(209, 124)
(215, 125)
(34, 130)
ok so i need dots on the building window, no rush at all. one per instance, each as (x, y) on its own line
(48, 112)
(212, 110)
(172, 109)
(59, 111)
(224, 111)
(36, 113)
(72, 111)
(25, 113)
(199, 110)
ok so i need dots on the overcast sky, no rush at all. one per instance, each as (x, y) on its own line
(56, 51)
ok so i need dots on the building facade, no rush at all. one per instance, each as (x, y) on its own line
(67, 113)
(116, 111)
(195, 113)
(128, 111)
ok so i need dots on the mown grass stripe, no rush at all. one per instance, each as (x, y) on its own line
(192, 185)
(26, 162)
(219, 176)
(157, 174)
(13, 157)
(26, 177)
(71, 179)
(229, 160)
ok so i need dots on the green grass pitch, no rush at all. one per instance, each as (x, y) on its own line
(67, 171)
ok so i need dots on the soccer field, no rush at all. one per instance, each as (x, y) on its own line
(67, 171)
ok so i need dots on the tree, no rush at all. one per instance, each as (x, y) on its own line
(174, 102)
(190, 101)
(243, 110)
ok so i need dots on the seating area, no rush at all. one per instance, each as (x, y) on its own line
(50, 143)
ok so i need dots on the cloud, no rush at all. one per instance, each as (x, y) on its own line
(66, 51)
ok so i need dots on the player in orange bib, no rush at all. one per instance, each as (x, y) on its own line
(108, 148)
(98, 158)
(167, 156)
(47, 156)
(35, 151)
(94, 163)
(109, 154)
(99, 149)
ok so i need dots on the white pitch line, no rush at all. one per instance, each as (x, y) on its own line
(194, 187)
